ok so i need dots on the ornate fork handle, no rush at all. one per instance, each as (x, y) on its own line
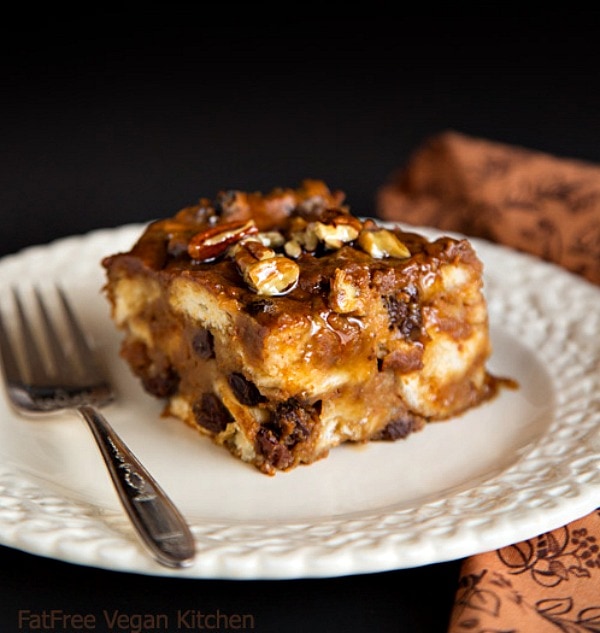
(158, 522)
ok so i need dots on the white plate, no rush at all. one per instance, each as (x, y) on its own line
(524, 463)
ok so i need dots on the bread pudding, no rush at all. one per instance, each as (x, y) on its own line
(281, 325)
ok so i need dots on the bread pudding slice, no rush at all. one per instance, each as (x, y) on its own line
(281, 325)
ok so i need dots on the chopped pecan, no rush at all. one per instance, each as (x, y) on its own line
(339, 232)
(273, 276)
(346, 292)
(249, 250)
(263, 270)
(271, 239)
(303, 235)
(293, 249)
(381, 243)
(333, 228)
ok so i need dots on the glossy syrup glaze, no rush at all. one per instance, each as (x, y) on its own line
(341, 328)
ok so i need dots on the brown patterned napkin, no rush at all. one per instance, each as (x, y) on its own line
(550, 583)
(549, 207)
(529, 200)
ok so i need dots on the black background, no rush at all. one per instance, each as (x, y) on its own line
(111, 118)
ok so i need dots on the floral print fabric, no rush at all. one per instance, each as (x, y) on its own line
(547, 584)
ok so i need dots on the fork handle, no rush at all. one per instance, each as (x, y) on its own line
(158, 522)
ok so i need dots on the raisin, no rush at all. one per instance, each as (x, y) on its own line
(211, 414)
(260, 306)
(293, 421)
(244, 390)
(137, 355)
(162, 384)
(397, 429)
(203, 344)
(274, 453)
(225, 200)
(404, 313)
(290, 423)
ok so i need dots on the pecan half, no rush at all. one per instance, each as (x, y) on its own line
(215, 240)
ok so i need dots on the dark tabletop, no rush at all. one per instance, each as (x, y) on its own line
(105, 121)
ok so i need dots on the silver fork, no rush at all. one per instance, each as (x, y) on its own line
(64, 374)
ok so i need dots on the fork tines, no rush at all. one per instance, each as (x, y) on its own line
(42, 352)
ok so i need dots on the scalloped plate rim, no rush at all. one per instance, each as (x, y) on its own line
(315, 558)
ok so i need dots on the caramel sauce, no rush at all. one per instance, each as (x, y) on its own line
(370, 341)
